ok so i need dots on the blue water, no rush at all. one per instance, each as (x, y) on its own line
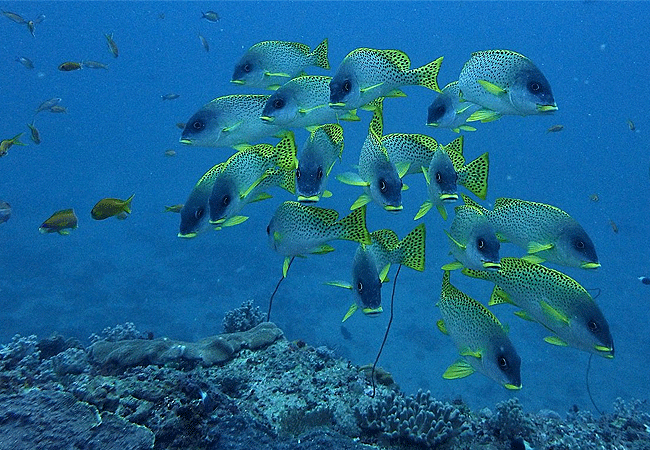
(111, 144)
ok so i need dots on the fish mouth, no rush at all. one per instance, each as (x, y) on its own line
(589, 265)
(240, 82)
(187, 235)
(267, 119)
(308, 199)
(217, 221)
(607, 352)
(489, 265)
(185, 141)
(372, 312)
(337, 105)
(512, 386)
(392, 208)
(547, 108)
(449, 197)
(433, 124)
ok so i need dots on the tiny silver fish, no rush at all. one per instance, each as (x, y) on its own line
(169, 96)
(25, 62)
(88, 64)
(204, 43)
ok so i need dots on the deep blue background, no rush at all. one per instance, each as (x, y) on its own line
(111, 144)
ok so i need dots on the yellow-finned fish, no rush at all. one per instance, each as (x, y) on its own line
(36, 135)
(109, 207)
(449, 111)
(60, 222)
(322, 149)
(553, 299)
(479, 337)
(69, 66)
(367, 74)
(195, 213)
(270, 64)
(504, 82)
(6, 144)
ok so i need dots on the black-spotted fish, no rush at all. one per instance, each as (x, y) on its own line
(372, 262)
(270, 64)
(60, 222)
(367, 74)
(304, 102)
(378, 175)
(298, 229)
(449, 111)
(229, 121)
(111, 207)
(472, 239)
(446, 171)
(504, 82)
(323, 148)
(195, 212)
(546, 232)
(553, 299)
(479, 337)
(246, 177)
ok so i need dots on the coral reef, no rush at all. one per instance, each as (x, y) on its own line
(130, 391)
(243, 318)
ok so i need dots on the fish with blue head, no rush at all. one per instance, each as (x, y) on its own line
(473, 241)
(448, 110)
(195, 211)
(319, 154)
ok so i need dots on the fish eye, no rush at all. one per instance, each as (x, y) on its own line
(347, 86)
(359, 287)
(480, 243)
(198, 125)
(503, 363)
(226, 200)
(593, 326)
(438, 177)
(199, 213)
(534, 86)
(278, 103)
(298, 173)
(319, 174)
(247, 68)
(382, 185)
(579, 245)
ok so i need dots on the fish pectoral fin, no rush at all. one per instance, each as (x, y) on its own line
(534, 259)
(473, 353)
(232, 127)
(285, 266)
(484, 115)
(242, 146)
(452, 266)
(273, 87)
(402, 167)
(499, 236)
(308, 110)
(499, 297)
(459, 369)
(455, 242)
(554, 340)
(352, 179)
(524, 315)
(322, 249)
(277, 74)
(464, 128)
(363, 199)
(492, 88)
(338, 283)
(536, 247)
(426, 206)
(383, 275)
(396, 93)
(425, 171)
(234, 220)
(350, 116)
(443, 212)
(326, 194)
(441, 326)
(259, 197)
(351, 311)
(369, 88)
(554, 313)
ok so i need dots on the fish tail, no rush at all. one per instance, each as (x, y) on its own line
(354, 226)
(427, 75)
(474, 176)
(321, 55)
(413, 248)
(377, 122)
(285, 152)
(16, 139)
(288, 181)
(127, 204)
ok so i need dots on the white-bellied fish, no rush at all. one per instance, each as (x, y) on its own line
(367, 74)
(473, 242)
(195, 212)
(546, 232)
(247, 175)
(449, 111)
(5, 211)
(111, 207)
(70, 66)
(553, 299)
(447, 170)
(479, 337)
(229, 121)
(60, 222)
(372, 262)
(6, 144)
(298, 229)
(204, 43)
(303, 102)
(378, 175)
(270, 64)
(322, 149)
(504, 83)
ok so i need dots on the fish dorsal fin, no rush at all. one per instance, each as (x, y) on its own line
(474, 176)
(524, 315)
(459, 369)
(554, 340)
(341, 284)
(413, 248)
(554, 314)
(322, 249)
(441, 326)
(499, 297)
(398, 58)
(351, 311)
(285, 152)
(377, 122)
(457, 159)
(321, 55)
(536, 247)
(383, 275)
(454, 241)
(352, 179)
(426, 206)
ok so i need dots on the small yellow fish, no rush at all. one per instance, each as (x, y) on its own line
(112, 46)
(6, 144)
(60, 222)
(555, 128)
(170, 153)
(174, 208)
(36, 135)
(109, 207)
(631, 125)
(58, 109)
(69, 66)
